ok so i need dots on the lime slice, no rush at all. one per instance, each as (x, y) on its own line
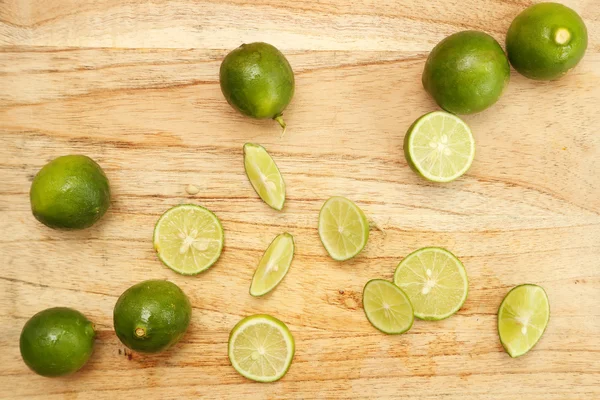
(188, 239)
(273, 265)
(434, 280)
(439, 146)
(387, 307)
(522, 318)
(264, 175)
(343, 228)
(261, 348)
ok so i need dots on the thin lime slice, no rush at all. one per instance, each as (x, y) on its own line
(188, 239)
(261, 348)
(273, 265)
(264, 175)
(343, 228)
(522, 318)
(439, 146)
(434, 280)
(387, 307)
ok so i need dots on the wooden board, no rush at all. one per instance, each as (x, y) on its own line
(134, 84)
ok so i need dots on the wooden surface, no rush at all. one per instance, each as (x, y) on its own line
(134, 84)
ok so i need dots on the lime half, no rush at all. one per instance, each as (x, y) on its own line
(387, 307)
(264, 175)
(273, 265)
(522, 318)
(188, 239)
(343, 228)
(434, 280)
(439, 146)
(261, 348)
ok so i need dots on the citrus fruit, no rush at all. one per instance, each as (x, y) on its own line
(387, 307)
(261, 348)
(343, 228)
(273, 265)
(188, 239)
(546, 40)
(152, 316)
(434, 280)
(57, 341)
(264, 175)
(70, 192)
(466, 72)
(439, 147)
(522, 318)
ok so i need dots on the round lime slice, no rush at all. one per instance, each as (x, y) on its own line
(273, 265)
(343, 228)
(387, 307)
(434, 280)
(264, 175)
(188, 239)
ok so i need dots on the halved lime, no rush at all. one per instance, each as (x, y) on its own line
(522, 318)
(261, 348)
(387, 307)
(273, 265)
(188, 239)
(264, 175)
(343, 228)
(439, 146)
(434, 280)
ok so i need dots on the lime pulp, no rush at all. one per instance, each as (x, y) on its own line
(387, 307)
(264, 175)
(343, 228)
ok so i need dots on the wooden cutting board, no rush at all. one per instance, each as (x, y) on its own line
(134, 85)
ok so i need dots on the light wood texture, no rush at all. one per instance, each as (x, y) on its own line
(134, 84)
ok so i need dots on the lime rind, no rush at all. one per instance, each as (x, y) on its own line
(274, 265)
(264, 175)
(346, 226)
(392, 312)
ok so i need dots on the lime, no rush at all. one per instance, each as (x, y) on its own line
(57, 341)
(343, 228)
(387, 307)
(152, 316)
(273, 265)
(264, 175)
(188, 239)
(522, 318)
(257, 80)
(466, 72)
(439, 146)
(434, 280)
(261, 348)
(546, 40)
(70, 192)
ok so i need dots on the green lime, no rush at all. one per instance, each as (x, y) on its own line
(273, 265)
(152, 316)
(546, 40)
(188, 239)
(70, 192)
(466, 72)
(57, 341)
(264, 175)
(257, 80)
(343, 228)
(261, 348)
(387, 307)
(434, 280)
(439, 147)
(522, 318)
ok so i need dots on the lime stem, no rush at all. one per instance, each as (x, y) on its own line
(279, 119)
(140, 332)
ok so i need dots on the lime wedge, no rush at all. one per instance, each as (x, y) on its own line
(343, 228)
(188, 239)
(261, 348)
(434, 280)
(522, 318)
(439, 146)
(264, 175)
(273, 265)
(387, 307)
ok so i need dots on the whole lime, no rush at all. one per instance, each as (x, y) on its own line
(466, 72)
(257, 80)
(70, 192)
(152, 316)
(546, 40)
(57, 341)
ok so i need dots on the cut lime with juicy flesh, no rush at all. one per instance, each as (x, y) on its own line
(434, 280)
(522, 318)
(264, 175)
(188, 239)
(261, 348)
(439, 147)
(343, 228)
(387, 307)
(273, 265)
